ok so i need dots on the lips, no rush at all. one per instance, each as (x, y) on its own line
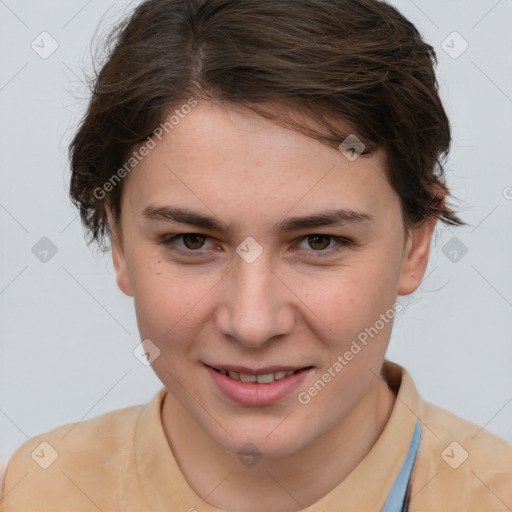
(257, 371)
(256, 387)
(261, 376)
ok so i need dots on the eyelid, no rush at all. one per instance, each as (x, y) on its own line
(342, 243)
(168, 240)
(335, 238)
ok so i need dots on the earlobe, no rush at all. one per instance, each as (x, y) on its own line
(122, 277)
(119, 259)
(416, 257)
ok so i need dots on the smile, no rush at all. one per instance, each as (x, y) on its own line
(264, 378)
(262, 387)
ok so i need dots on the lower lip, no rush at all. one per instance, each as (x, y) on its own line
(250, 393)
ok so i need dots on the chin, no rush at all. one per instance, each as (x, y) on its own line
(281, 442)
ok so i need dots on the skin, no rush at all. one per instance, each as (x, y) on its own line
(287, 307)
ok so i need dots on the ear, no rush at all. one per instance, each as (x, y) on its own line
(416, 255)
(118, 256)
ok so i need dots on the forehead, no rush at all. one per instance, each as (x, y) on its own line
(218, 154)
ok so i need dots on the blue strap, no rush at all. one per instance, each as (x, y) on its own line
(396, 497)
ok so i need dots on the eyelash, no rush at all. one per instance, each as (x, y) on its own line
(168, 242)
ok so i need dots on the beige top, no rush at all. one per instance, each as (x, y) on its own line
(122, 461)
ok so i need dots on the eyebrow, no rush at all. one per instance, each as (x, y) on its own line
(326, 218)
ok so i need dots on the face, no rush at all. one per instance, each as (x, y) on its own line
(237, 260)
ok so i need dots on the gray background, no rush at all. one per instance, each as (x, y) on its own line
(67, 333)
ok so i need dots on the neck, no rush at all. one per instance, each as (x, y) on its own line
(289, 483)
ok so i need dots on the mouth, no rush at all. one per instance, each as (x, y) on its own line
(260, 377)
(262, 387)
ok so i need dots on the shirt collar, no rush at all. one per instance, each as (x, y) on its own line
(367, 487)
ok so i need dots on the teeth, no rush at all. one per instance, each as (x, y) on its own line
(245, 377)
(265, 378)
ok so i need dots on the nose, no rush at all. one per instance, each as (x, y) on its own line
(256, 305)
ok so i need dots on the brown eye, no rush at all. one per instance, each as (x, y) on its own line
(187, 244)
(193, 241)
(317, 246)
(319, 242)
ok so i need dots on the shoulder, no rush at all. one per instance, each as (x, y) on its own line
(69, 457)
(461, 461)
(99, 435)
(3, 469)
(480, 444)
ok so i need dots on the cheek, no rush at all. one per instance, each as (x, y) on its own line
(164, 309)
(354, 297)
(161, 305)
(168, 301)
(348, 306)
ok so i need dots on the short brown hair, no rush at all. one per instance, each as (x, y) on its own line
(356, 63)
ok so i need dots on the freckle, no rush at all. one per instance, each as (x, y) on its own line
(158, 273)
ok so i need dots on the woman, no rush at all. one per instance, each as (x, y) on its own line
(268, 174)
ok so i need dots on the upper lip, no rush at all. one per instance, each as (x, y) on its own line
(256, 371)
